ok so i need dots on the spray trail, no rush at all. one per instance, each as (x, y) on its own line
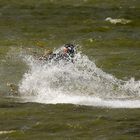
(81, 82)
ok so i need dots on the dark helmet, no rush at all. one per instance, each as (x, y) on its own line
(70, 48)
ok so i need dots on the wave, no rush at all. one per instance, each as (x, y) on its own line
(81, 82)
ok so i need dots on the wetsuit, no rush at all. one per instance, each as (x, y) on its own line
(68, 56)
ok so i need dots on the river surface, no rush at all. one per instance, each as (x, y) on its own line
(97, 96)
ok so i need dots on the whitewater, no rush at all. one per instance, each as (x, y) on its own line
(80, 83)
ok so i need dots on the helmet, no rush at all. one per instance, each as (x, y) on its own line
(70, 48)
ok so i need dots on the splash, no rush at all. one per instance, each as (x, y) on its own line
(81, 82)
(118, 21)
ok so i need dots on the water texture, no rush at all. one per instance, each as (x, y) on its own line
(97, 96)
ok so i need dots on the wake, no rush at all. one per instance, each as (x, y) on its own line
(81, 82)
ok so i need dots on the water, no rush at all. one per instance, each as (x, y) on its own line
(97, 97)
(81, 82)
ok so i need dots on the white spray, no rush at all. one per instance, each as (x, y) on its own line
(80, 83)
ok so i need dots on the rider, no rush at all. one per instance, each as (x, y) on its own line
(67, 53)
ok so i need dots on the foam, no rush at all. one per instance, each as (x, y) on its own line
(81, 83)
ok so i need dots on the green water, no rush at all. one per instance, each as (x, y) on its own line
(115, 48)
(38, 121)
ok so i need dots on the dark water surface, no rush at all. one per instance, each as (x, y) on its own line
(28, 27)
(40, 121)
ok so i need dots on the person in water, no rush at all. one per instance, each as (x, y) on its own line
(67, 53)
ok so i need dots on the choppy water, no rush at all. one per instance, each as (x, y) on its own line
(97, 97)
